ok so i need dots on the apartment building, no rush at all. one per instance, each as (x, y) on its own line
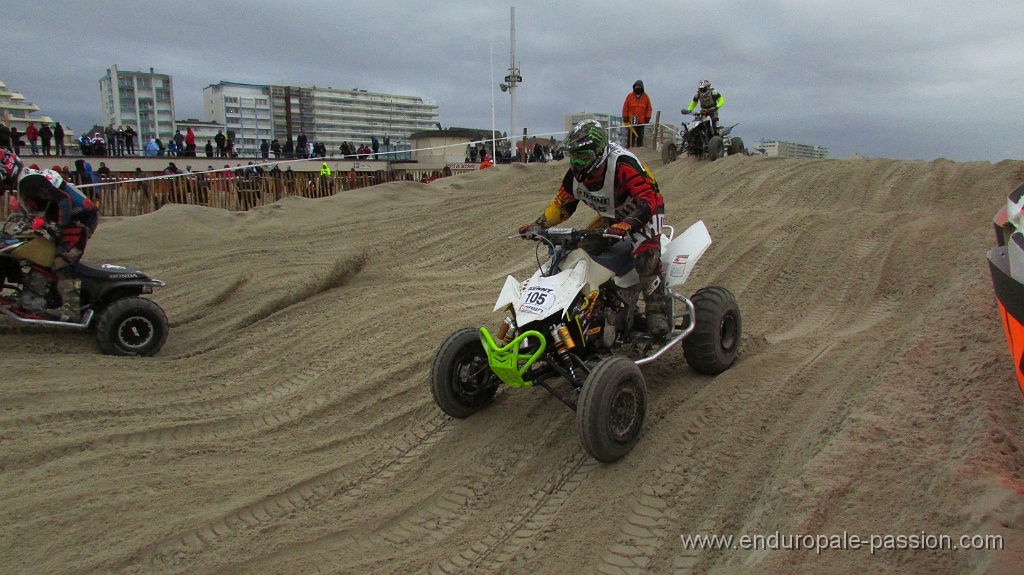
(143, 100)
(324, 115)
(358, 115)
(15, 112)
(791, 150)
(203, 131)
(245, 112)
(612, 123)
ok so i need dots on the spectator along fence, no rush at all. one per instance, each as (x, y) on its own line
(128, 195)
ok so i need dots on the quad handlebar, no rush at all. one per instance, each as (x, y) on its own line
(566, 237)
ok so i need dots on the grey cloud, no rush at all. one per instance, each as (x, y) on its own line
(861, 76)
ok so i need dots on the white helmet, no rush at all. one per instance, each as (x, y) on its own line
(53, 177)
(703, 85)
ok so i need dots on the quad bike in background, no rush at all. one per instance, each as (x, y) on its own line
(579, 319)
(1006, 265)
(108, 299)
(697, 139)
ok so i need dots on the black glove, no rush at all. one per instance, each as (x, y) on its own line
(52, 230)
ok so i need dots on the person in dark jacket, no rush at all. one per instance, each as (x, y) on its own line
(222, 144)
(58, 140)
(46, 137)
(129, 140)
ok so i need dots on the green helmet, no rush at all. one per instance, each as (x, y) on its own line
(587, 146)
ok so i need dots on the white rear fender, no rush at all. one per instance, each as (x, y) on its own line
(680, 256)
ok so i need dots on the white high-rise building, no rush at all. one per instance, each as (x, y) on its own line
(143, 100)
(15, 112)
(357, 116)
(792, 150)
(245, 112)
(323, 115)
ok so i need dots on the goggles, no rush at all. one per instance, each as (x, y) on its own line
(582, 158)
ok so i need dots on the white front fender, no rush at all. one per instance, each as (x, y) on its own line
(510, 294)
(542, 296)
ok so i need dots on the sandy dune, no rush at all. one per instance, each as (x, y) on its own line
(287, 427)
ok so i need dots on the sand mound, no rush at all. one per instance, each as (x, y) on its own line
(287, 426)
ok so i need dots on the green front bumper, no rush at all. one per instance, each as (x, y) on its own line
(506, 362)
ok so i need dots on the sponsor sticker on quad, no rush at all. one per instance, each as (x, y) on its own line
(537, 299)
(678, 265)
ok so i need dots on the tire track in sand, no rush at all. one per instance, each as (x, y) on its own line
(218, 429)
(678, 483)
(344, 484)
(512, 539)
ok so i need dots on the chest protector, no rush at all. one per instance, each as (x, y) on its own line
(603, 199)
(708, 98)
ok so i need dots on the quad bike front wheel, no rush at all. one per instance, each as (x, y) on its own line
(669, 153)
(715, 342)
(461, 380)
(612, 409)
(716, 148)
(132, 326)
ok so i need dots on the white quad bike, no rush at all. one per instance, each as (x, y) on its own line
(578, 318)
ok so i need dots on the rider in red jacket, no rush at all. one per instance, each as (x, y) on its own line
(613, 182)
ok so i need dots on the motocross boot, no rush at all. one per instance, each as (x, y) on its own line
(66, 300)
(652, 283)
(39, 292)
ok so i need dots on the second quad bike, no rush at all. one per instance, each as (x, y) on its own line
(108, 299)
(579, 319)
(697, 139)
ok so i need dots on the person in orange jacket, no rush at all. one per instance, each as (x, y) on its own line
(486, 162)
(636, 113)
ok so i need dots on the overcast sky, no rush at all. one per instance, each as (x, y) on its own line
(916, 80)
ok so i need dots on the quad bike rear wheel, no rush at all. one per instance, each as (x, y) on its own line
(715, 342)
(716, 148)
(461, 379)
(132, 326)
(612, 409)
(736, 147)
(669, 153)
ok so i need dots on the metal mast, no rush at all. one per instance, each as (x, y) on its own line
(512, 80)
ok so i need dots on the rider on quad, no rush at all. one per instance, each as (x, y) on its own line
(710, 101)
(70, 218)
(615, 184)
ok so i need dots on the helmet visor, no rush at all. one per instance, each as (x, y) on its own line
(582, 158)
(582, 162)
